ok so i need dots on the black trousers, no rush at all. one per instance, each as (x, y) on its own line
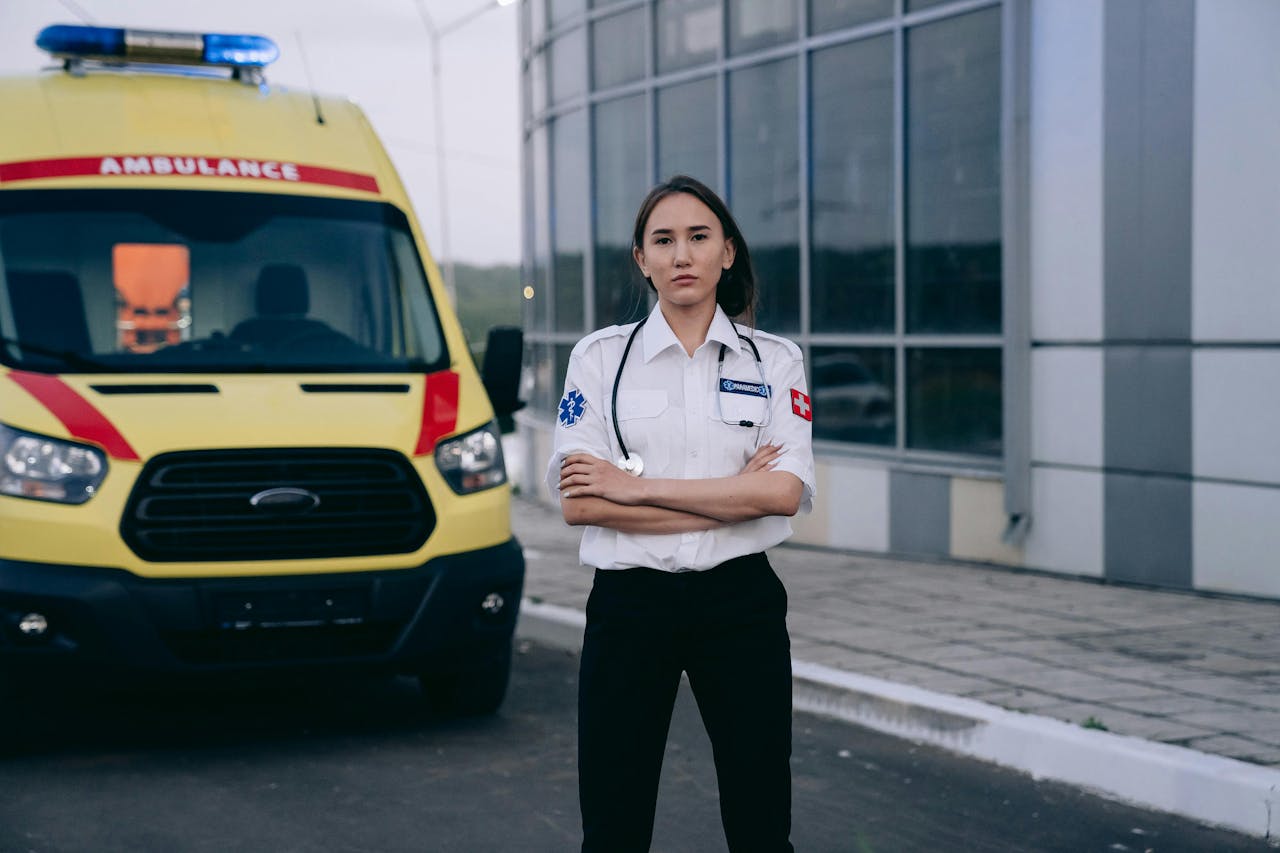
(726, 628)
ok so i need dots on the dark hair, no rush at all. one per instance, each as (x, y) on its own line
(736, 291)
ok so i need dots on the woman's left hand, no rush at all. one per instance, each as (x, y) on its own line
(583, 475)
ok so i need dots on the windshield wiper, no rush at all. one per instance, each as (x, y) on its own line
(67, 357)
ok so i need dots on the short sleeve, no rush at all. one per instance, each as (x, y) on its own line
(580, 422)
(791, 421)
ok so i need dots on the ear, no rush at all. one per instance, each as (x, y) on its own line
(638, 255)
(730, 252)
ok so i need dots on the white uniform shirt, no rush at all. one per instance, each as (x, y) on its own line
(667, 411)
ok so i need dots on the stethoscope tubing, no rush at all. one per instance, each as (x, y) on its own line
(617, 377)
(626, 351)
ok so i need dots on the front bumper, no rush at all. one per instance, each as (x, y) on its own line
(427, 617)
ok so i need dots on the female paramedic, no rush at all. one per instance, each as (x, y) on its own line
(683, 444)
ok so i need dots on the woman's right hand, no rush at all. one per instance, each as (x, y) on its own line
(585, 476)
(763, 459)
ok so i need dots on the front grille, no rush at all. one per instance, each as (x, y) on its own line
(195, 506)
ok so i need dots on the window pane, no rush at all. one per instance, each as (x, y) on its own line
(764, 184)
(537, 363)
(687, 131)
(851, 265)
(569, 217)
(540, 314)
(953, 400)
(853, 390)
(562, 10)
(953, 175)
(622, 178)
(568, 65)
(617, 49)
(917, 5)
(756, 24)
(826, 15)
(688, 33)
(548, 364)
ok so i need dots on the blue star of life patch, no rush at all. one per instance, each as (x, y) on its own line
(572, 405)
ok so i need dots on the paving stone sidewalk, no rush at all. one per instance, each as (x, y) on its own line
(1190, 670)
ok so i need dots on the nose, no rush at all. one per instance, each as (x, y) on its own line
(682, 253)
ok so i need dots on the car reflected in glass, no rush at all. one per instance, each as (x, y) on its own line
(850, 402)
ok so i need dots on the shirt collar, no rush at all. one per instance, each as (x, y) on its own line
(658, 337)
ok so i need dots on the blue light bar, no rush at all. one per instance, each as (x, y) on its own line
(239, 50)
(74, 40)
(115, 44)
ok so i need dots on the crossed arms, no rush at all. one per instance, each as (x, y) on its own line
(595, 492)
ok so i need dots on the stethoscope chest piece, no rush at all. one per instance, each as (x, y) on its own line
(631, 462)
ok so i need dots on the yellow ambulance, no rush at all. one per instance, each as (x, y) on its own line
(240, 428)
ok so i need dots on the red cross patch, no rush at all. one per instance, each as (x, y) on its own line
(800, 404)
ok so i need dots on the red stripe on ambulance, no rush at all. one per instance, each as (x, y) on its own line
(77, 414)
(439, 410)
(165, 165)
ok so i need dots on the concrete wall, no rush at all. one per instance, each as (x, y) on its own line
(1066, 141)
(1235, 293)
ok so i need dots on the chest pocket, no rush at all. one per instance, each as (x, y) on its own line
(732, 444)
(642, 419)
(741, 407)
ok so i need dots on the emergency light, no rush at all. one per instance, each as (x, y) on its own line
(75, 42)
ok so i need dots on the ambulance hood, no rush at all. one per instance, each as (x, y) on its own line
(139, 417)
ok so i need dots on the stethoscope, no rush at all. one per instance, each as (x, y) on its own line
(631, 462)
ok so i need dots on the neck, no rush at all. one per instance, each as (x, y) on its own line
(689, 323)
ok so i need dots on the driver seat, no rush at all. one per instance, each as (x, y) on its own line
(282, 299)
(48, 309)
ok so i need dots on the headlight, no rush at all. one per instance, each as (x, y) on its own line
(48, 469)
(473, 461)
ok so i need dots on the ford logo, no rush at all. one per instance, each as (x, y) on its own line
(285, 501)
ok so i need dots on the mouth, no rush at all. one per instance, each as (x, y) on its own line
(684, 279)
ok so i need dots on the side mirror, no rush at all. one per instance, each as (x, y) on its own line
(501, 373)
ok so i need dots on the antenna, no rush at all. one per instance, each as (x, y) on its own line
(78, 10)
(311, 83)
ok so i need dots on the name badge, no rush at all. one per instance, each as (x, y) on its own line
(750, 389)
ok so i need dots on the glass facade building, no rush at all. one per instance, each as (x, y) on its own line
(1018, 243)
(858, 145)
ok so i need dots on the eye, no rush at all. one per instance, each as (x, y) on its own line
(661, 241)
(699, 236)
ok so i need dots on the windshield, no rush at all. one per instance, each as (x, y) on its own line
(144, 281)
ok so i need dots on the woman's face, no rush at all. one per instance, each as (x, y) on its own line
(684, 251)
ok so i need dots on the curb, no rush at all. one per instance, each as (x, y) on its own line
(560, 627)
(1207, 788)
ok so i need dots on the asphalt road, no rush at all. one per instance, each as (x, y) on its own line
(355, 765)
